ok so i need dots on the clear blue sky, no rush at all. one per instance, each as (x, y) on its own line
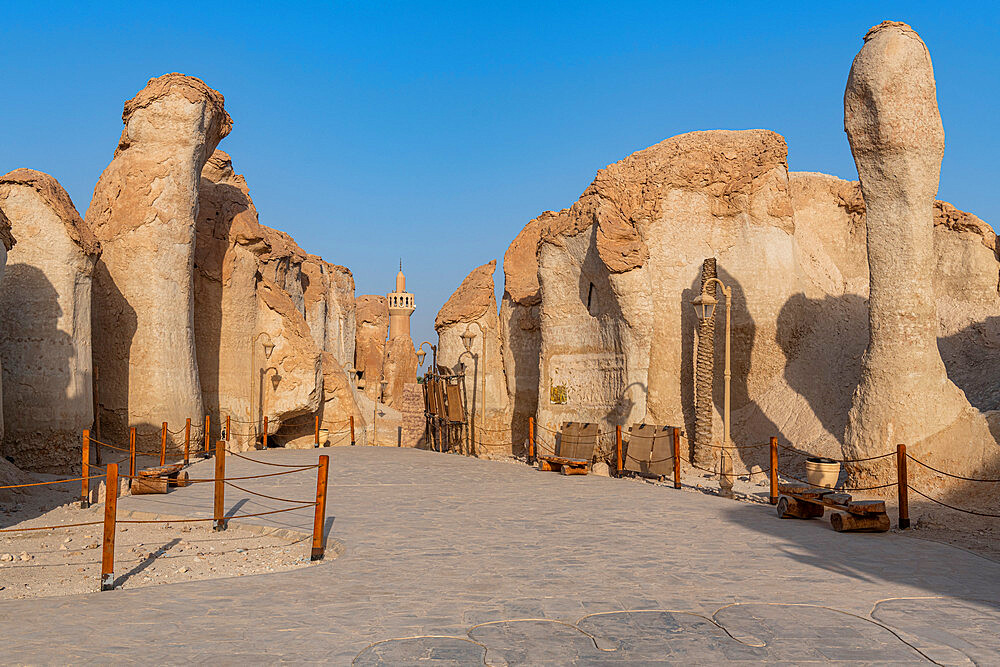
(434, 132)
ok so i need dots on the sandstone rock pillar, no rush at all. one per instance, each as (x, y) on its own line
(45, 324)
(892, 121)
(704, 401)
(144, 212)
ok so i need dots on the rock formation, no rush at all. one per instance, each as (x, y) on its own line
(892, 121)
(372, 317)
(400, 369)
(45, 316)
(6, 243)
(473, 309)
(144, 212)
(236, 305)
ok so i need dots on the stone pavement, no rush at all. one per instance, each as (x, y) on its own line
(449, 560)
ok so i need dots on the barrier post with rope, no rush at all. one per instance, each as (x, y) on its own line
(85, 471)
(219, 522)
(208, 423)
(265, 434)
(317, 430)
(352, 430)
(163, 445)
(110, 517)
(618, 451)
(677, 458)
(902, 488)
(131, 454)
(531, 440)
(187, 441)
(322, 472)
(773, 499)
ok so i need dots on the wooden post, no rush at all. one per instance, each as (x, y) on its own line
(531, 439)
(618, 450)
(774, 471)
(317, 430)
(85, 472)
(187, 441)
(219, 522)
(265, 433)
(208, 424)
(131, 454)
(352, 430)
(227, 428)
(902, 489)
(320, 518)
(677, 458)
(110, 516)
(163, 444)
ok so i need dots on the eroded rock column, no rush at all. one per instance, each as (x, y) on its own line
(892, 121)
(45, 324)
(144, 212)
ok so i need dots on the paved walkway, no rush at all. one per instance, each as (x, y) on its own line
(450, 560)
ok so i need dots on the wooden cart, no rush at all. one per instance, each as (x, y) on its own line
(575, 446)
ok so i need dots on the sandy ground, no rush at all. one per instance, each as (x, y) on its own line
(68, 560)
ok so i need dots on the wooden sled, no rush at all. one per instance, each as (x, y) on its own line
(158, 480)
(855, 516)
(575, 446)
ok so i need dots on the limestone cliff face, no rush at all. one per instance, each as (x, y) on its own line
(473, 309)
(144, 212)
(237, 305)
(520, 328)
(45, 332)
(372, 317)
(617, 343)
(618, 270)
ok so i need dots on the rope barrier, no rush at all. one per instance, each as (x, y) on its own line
(948, 474)
(264, 463)
(228, 518)
(952, 507)
(262, 495)
(66, 525)
(227, 479)
(858, 488)
(861, 460)
(57, 481)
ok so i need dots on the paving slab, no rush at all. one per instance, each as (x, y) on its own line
(436, 544)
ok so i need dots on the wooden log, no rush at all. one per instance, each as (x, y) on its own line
(142, 485)
(799, 490)
(793, 508)
(547, 466)
(866, 507)
(837, 498)
(843, 522)
(573, 470)
(180, 479)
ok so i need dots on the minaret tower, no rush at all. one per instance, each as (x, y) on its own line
(400, 307)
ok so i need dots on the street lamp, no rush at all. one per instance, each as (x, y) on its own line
(421, 354)
(704, 305)
(467, 338)
(268, 347)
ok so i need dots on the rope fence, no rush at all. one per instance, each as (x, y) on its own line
(219, 519)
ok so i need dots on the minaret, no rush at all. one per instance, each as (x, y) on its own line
(400, 307)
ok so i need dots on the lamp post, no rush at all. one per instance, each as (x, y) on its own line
(268, 346)
(434, 355)
(704, 305)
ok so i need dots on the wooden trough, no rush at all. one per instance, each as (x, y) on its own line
(807, 502)
(158, 480)
(574, 449)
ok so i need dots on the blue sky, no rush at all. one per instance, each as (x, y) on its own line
(371, 131)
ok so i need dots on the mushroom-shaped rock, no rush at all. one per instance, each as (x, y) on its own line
(144, 213)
